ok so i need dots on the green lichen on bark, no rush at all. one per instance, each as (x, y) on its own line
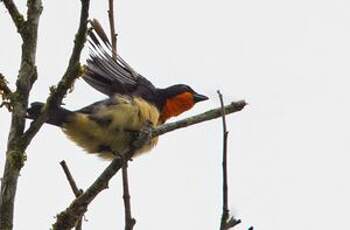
(17, 158)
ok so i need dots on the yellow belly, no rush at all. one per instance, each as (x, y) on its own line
(113, 126)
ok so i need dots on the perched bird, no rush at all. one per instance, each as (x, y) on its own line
(109, 126)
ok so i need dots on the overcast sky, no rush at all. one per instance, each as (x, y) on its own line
(288, 150)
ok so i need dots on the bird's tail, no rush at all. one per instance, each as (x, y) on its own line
(58, 116)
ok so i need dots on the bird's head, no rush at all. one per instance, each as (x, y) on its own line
(178, 99)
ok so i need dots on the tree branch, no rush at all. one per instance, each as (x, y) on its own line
(209, 115)
(72, 73)
(67, 218)
(15, 155)
(18, 140)
(77, 192)
(16, 16)
(112, 27)
(129, 220)
(226, 221)
(70, 179)
(225, 211)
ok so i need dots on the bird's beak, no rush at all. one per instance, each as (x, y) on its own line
(198, 97)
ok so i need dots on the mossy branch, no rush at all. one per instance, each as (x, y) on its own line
(19, 139)
(73, 71)
(68, 218)
(27, 74)
(16, 16)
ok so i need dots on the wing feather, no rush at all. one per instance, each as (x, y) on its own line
(104, 73)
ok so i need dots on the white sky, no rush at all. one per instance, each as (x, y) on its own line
(289, 149)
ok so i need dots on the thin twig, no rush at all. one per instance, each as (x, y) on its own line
(67, 218)
(129, 220)
(209, 115)
(226, 221)
(77, 192)
(225, 211)
(112, 27)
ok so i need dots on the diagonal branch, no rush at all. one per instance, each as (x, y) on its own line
(73, 71)
(209, 115)
(77, 192)
(70, 179)
(67, 218)
(16, 16)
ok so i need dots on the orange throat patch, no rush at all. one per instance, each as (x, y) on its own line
(176, 105)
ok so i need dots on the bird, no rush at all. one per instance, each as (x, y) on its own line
(108, 127)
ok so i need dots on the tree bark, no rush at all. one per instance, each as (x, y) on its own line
(19, 140)
(15, 154)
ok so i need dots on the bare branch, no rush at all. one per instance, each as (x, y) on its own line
(112, 27)
(67, 218)
(70, 179)
(72, 73)
(129, 220)
(16, 16)
(209, 115)
(77, 192)
(226, 221)
(15, 153)
(225, 211)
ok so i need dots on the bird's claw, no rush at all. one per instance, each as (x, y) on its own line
(144, 135)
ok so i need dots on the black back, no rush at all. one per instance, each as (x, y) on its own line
(109, 75)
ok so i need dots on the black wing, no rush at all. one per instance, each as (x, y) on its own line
(106, 74)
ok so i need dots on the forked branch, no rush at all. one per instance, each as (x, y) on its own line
(73, 71)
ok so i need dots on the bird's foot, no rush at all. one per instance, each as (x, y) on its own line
(144, 135)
